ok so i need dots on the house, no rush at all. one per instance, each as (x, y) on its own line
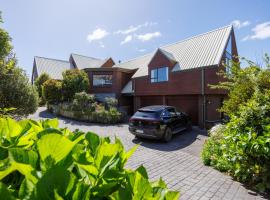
(55, 67)
(178, 74)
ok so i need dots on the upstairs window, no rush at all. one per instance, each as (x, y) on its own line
(159, 74)
(102, 80)
(228, 55)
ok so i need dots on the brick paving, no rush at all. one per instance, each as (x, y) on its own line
(177, 162)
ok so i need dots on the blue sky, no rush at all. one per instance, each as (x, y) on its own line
(124, 29)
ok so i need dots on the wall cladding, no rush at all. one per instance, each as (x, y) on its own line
(187, 104)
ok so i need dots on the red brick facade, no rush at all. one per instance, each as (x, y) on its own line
(187, 89)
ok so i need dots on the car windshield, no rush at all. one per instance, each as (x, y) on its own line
(147, 114)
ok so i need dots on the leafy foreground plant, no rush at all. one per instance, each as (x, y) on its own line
(40, 161)
(242, 146)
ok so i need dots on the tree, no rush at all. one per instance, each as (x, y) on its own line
(15, 89)
(242, 83)
(242, 147)
(74, 81)
(51, 91)
(39, 84)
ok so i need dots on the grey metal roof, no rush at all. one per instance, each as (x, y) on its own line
(54, 68)
(83, 62)
(198, 51)
(128, 88)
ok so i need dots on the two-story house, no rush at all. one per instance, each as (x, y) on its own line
(178, 74)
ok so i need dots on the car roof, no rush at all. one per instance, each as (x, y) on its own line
(155, 108)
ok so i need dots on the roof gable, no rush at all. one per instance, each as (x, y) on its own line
(162, 53)
(53, 67)
(83, 62)
(198, 51)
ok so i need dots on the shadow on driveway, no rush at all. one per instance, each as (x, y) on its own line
(191, 140)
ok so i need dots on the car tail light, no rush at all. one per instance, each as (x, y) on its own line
(131, 121)
(155, 122)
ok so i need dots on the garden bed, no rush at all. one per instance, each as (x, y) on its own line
(111, 116)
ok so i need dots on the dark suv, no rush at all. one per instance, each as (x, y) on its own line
(159, 122)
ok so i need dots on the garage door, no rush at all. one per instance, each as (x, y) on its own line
(151, 100)
(187, 104)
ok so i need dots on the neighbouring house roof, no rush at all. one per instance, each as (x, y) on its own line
(83, 62)
(198, 51)
(128, 88)
(53, 67)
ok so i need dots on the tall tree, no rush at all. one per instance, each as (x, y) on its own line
(15, 88)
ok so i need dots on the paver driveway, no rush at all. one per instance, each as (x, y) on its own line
(177, 162)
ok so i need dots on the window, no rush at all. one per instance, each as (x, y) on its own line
(228, 55)
(159, 75)
(102, 80)
(170, 112)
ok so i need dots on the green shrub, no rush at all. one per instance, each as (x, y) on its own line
(104, 116)
(41, 161)
(52, 90)
(39, 84)
(111, 102)
(211, 153)
(243, 149)
(74, 81)
(83, 102)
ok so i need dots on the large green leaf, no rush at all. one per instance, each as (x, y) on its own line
(9, 128)
(82, 192)
(91, 169)
(50, 123)
(26, 191)
(4, 193)
(172, 195)
(20, 155)
(58, 180)
(55, 147)
(24, 169)
(139, 186)
(128, 154)
(105, 152)
(93, 141)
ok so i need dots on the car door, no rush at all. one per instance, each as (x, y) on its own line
(173, 118)
(181, 120)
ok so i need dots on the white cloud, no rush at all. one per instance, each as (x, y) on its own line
(127, 39)
(141, 50)
(260, 32)
(238, 24)
(148, 36)
(97, 34)
(132, 29)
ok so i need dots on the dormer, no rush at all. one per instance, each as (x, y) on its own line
(160, 65)
(108, 63)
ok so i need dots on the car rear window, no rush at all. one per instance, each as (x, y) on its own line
(147, 114)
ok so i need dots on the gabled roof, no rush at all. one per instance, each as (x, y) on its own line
(83, 62)
(198, 51)
(53, 67)
(167, 54)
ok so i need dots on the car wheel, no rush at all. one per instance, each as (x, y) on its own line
(137, 137)
(167, 135)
